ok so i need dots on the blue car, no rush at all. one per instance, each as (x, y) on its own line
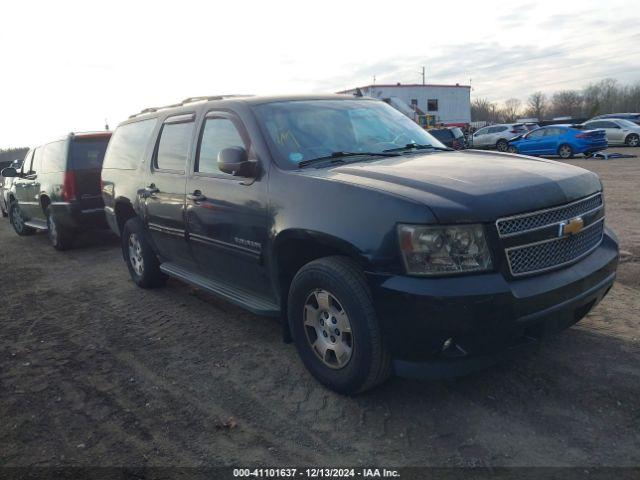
(562, 140)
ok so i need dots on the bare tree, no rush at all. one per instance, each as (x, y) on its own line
(511, 110)
(567, 103)
(537, 105)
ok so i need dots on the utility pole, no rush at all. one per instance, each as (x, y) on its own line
(423, 75)
(374, 79)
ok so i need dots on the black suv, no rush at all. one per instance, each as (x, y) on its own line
(57, 189)
(377, 247)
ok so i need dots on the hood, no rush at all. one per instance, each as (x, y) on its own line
(470, 185)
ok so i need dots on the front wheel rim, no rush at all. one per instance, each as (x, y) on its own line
(328, 329)
(135, 254)
(16, 218)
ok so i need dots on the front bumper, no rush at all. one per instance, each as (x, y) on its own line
(485, 314)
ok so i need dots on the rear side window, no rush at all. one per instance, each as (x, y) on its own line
(54, 158)
(217, 134)
(173, 146)
(128, 143)
(87, 154)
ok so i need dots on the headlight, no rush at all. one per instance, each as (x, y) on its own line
(438, 250)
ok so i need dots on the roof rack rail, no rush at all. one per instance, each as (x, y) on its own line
(185, 102)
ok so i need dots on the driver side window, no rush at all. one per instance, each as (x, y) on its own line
(218, 133)
(538, 133)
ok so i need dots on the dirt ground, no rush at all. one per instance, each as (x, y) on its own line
(94, 371)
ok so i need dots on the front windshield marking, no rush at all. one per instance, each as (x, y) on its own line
(303, 130)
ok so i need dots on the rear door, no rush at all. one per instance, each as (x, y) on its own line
(164, 193)
(86, 155)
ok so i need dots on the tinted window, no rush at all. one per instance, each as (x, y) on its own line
(537, 133)
(608, 125)
(173, 147)
(128, 144)
(442, 135)
(87, 154)
(54, 157)
(217, 134)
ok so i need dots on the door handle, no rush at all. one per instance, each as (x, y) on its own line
(149, 191)
(197, 196)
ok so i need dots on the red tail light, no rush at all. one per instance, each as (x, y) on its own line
(68, 191)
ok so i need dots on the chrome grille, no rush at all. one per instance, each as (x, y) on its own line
(532, 221)
(548, 254)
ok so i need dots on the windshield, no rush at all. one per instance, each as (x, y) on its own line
(311, 129)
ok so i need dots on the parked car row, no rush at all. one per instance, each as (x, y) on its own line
(379, 249)
(564, 140)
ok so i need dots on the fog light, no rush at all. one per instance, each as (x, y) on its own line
(447, 343)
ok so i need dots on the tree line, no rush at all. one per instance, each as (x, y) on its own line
(606, 96)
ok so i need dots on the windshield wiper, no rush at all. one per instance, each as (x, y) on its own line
(417, 146)
(339, 156)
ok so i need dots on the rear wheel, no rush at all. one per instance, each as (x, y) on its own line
(17, 220)
(565, 151)
(141, 260)
(502, 145)
(633, 140)
(61, 238)
(335, 328)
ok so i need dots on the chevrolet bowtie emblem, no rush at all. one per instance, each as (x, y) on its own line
(570, 227)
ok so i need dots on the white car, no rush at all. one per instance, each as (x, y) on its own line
(618, 131)
(497, 136)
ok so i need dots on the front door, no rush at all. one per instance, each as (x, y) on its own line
(226, 215)
(164, 193)
(27, 187)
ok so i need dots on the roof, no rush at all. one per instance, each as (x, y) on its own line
(248, 99)
(403, 85)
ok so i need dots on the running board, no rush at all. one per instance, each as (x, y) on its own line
(238, 296)
(37, 224)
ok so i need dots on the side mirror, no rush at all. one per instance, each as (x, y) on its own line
(9, 172)
(235, 161)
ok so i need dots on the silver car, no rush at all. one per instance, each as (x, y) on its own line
(618, 131)
(497, 136)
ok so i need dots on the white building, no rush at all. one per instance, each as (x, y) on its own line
(448, 104)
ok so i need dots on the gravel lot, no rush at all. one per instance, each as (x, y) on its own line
(94, 371)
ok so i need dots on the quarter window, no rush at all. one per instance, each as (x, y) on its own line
(53, 157)
(217, 134)
(173, 147)
(128, 143)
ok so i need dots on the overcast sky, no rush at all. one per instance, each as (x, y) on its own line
(69, 65)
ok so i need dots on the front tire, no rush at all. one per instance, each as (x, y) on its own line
(61, 238)
(565, 151)
(502, 145)
(335, 328)
(18, 221)
(512, 149)
(632, 140)
(141, 260)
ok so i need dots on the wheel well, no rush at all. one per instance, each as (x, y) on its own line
(292, 254)
(124, 211)
(44, 203)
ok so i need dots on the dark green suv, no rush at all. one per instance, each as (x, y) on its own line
(57, 189)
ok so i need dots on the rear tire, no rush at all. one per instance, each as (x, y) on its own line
(632, 140)
(502, 145)
(565, 151)
(61, 238)
(17, 221)
(143, 264)
(321, 291)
